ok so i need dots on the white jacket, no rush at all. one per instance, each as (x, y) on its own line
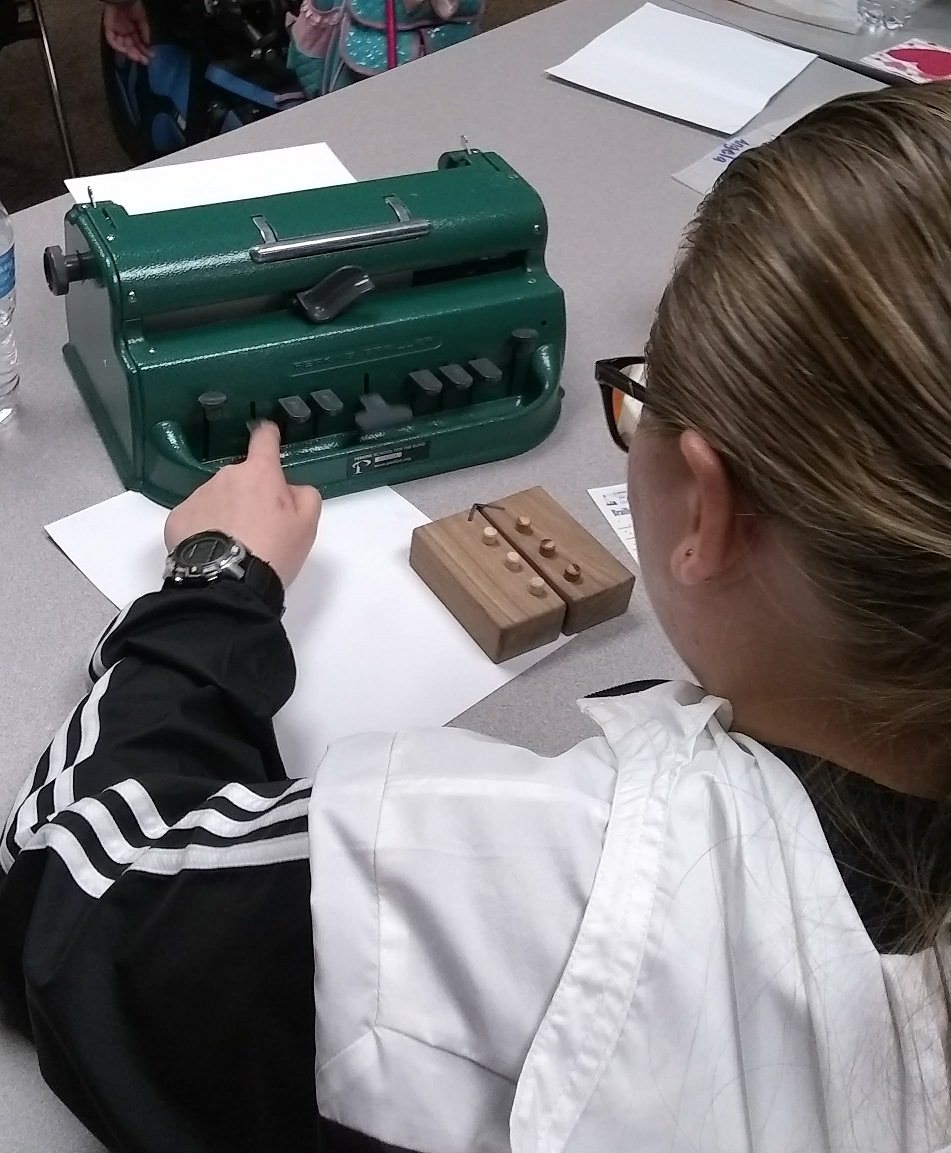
(642, 945)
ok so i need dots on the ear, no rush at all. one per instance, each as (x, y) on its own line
(717, 537)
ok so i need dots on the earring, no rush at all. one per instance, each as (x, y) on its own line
(689, 552)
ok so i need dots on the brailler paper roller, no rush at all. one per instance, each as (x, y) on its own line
(393, 328)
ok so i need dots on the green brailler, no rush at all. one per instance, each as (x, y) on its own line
(433, 274)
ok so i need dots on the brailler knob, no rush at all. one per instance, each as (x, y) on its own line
(537, 587)
(513, 561)
(523, 524)
(547, 547)
(490, 535)
(61, 270)
(573, 573)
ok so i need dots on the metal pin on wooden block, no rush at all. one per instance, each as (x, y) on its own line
(537, 587)
(490, 536)
(573, 573)
(513, 561)
(547, 547)
(524, 524)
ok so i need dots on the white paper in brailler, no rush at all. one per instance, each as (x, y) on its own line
(375, 650)
(681, 66)
(215, 181)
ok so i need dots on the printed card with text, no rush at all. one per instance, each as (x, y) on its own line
(920, 61)
(612, 501)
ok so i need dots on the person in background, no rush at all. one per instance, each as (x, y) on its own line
(719, 925)
(126, 27)
(401, 30)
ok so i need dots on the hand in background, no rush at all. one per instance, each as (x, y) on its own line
(127, 30)
(253, 503)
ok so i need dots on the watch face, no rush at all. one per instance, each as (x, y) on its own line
(205, 557)
(204, 549)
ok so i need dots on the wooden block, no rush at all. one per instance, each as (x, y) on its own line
(494, 601)
(592, 583)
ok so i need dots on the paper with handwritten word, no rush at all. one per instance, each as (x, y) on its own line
(702, 174)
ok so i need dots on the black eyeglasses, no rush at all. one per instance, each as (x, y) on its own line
(623, 393)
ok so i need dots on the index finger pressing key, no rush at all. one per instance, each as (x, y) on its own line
(265, 443)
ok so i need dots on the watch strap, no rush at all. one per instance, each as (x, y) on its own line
(261, 577)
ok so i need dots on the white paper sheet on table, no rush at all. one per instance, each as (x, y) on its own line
(613, 503)
(375, 649)
(684, 67)
(215, 181)
(702, 174)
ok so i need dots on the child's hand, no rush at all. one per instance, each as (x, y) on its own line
(127, 30)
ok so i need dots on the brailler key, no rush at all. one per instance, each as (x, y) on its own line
(455, 375)
(293, 417)
(458, 385)
(214, 410)
(212, 402)
(489, 380)
(379, 414)
(426, 391)
(329, 410)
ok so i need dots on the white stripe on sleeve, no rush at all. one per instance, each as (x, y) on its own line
(275, 851)
(239, 841)
(27, 816)
(96, 667)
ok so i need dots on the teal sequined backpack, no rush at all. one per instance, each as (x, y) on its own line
(334, 43)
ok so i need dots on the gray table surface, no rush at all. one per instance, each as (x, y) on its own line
(604, 171)
(931, 22)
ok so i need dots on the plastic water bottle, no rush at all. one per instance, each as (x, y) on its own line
(9, 368)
